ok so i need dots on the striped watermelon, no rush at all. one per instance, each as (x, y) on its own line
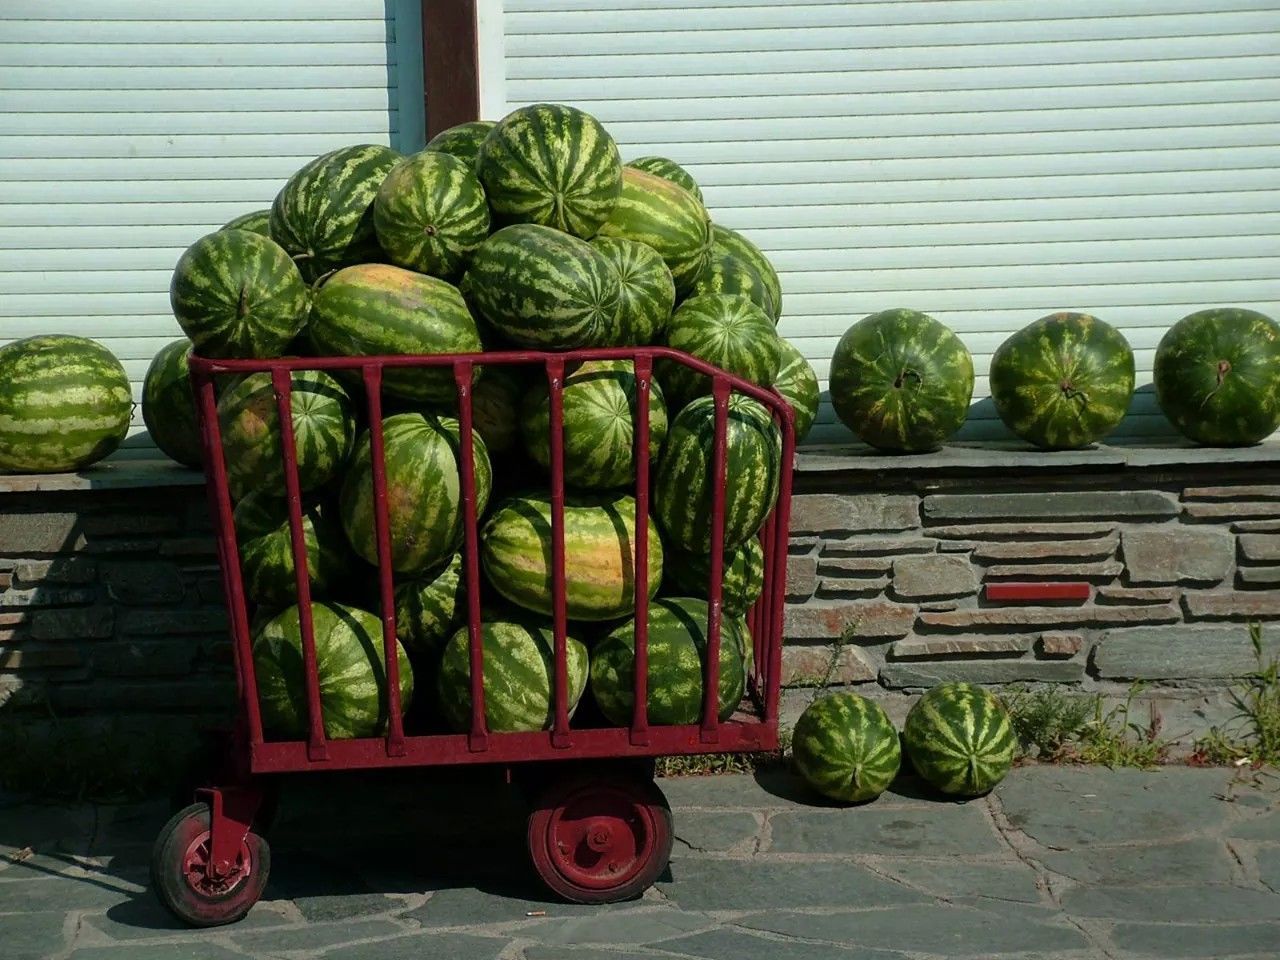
(668, 170)
(424, 495)
(668, 218)
(266, 551)
(599, 439)
(730, 273)
(1217, 376)
(677, 650)
(798, 384)
(169, 405)
(65, 402)
(237, 294)
(732, 242)
(462, 141)
(683, 489)
(552, 165)
(430, 606)
(542, 288)
(647, 293)
(846, 747)
(960, 738)
(376, 308)
(323, 431)
(901, 381)
(351, 667)
(256, 221)
(689, 574)
(323, 216)
(599, 557)
(495, 407)
(430, 214)
(729, 332)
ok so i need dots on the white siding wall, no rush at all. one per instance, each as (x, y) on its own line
(986, 161)
(128, 128)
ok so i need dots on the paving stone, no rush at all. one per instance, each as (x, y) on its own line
(61, 893)
(84, 623)
(1113, 594)
(740, 945)
(802, 576)
(718, 831)
(826, 513)
(468, 906)
(916, 674)
(1269, 867)
(1260, 547)
(852, 620)
(1036, 551)
(1208, 861)
(625, 929)
(1265, 827)
(1049, 616)
(323, 908)
(1258, 576)
(172, 950)
(143, 918)
(141, 583)
(960, 878)
(1056, 644)
(717, 793)
(933, 575)
(1179, 652)
(1233, 605)
(877, 546)
(1050, 506)
(849, 567)
(941, 829)
(33, 936)
(1202, 903)
(764, 884)
(314, 936)
(1101, 570)
(453, 946)
(1215, 941)
(917, 646)
(806, 666)
(1020, 531)
(583, 953)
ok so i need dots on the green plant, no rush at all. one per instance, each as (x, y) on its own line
(1252, 736)
(1050, 722)
(1115, 740)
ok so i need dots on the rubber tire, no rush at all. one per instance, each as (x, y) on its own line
(170, 884)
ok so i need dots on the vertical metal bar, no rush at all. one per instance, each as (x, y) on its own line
(386, 584)
(778, 587)
(640, 710)
(710, 732)
(555, 388)
(478, 738)
(771, 561)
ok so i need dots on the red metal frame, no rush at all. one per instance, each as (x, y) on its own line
(755, 728)
(1034, 591)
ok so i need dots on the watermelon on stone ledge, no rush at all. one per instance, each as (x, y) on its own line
(960, 738)
(846, 748)
(169, 404)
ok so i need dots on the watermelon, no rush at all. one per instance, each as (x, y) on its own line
(430, 214)
(668, 218)
(495, 407)
(647, 292)
(724, 240)
(552, 165)
(599, 554)
(730, 273)
(266, 550)
(901, 381)
(375, 309)
(677, 651)
(599, 440)
(65, 402)
(798, 384)
(256, 221)
(542, 288)
(169, 404)
(689, 574)
(463, 140)
(424, 498)
(1063, 381)
(668, 170)
(846, 747)
(960, 738)
(351, 667)
(430, 606)
(1217, 376)
(323, 431)
(519, 676)
(727, 331)
(323, 216)
(683, 489)
(237, 294)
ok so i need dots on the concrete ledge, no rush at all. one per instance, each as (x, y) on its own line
(108, 475)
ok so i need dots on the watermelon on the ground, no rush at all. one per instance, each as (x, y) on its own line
(689, 574)
(726, 331)
(798, 384)
(668, 170)
(65, 402)
(730, 273)
(237, 294)
(351, 667)
(668, 218)
(463, 140)
(429, 607)
(430, 214)
(846, 747)
(1217, 376)
(960, 739)
(901, 381)
(256, 221)
(599, 400)
(728, 241)
(266, 549)
(1063, 381)
(169, 404)
(647, 294)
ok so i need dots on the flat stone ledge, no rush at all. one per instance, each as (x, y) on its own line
(107, 475)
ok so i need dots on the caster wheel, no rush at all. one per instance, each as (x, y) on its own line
(180, 880)
(600, 840)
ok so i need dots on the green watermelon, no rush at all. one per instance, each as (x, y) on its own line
(237, 294)
(375, 308)
(599, 554)
(682, 492)
(730, 273)
(846, 747)
(798, 384)
(351, 667)
(668, 218)
(495, 407)
(323, 431)
(430, 606)
(430, 214)
(668, 170)
(519, 676)
(463, 140)
(960, 738)
(542, 288)
(1217, 376)
(424, 498)
(728, 241)
(552, 165)
(901, 381)
(266, 550)
(65, 402)
(1063, 381)
(256, 221)
(647, 293)
(323, 216)
(599, 440)
(689, 574)
(677, 650)
(727, 331)
(169, 404)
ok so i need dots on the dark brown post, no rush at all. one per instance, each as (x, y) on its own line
(450, 63)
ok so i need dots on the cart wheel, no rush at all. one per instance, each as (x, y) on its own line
(600, 839)
(180, 881)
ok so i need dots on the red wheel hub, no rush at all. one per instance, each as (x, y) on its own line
(600, 837)
(223, 878)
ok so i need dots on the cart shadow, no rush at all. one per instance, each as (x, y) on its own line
(784, 783)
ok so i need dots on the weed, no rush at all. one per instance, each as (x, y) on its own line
(1115, 740)
(1252, 736)
(1056, 726)
(1049, 722)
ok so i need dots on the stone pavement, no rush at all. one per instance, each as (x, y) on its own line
(1062, 863)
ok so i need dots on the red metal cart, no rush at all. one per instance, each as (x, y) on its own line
(599, 831)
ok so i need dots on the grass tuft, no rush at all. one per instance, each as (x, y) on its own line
(1252, 737)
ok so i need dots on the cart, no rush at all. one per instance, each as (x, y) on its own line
(599, 829)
